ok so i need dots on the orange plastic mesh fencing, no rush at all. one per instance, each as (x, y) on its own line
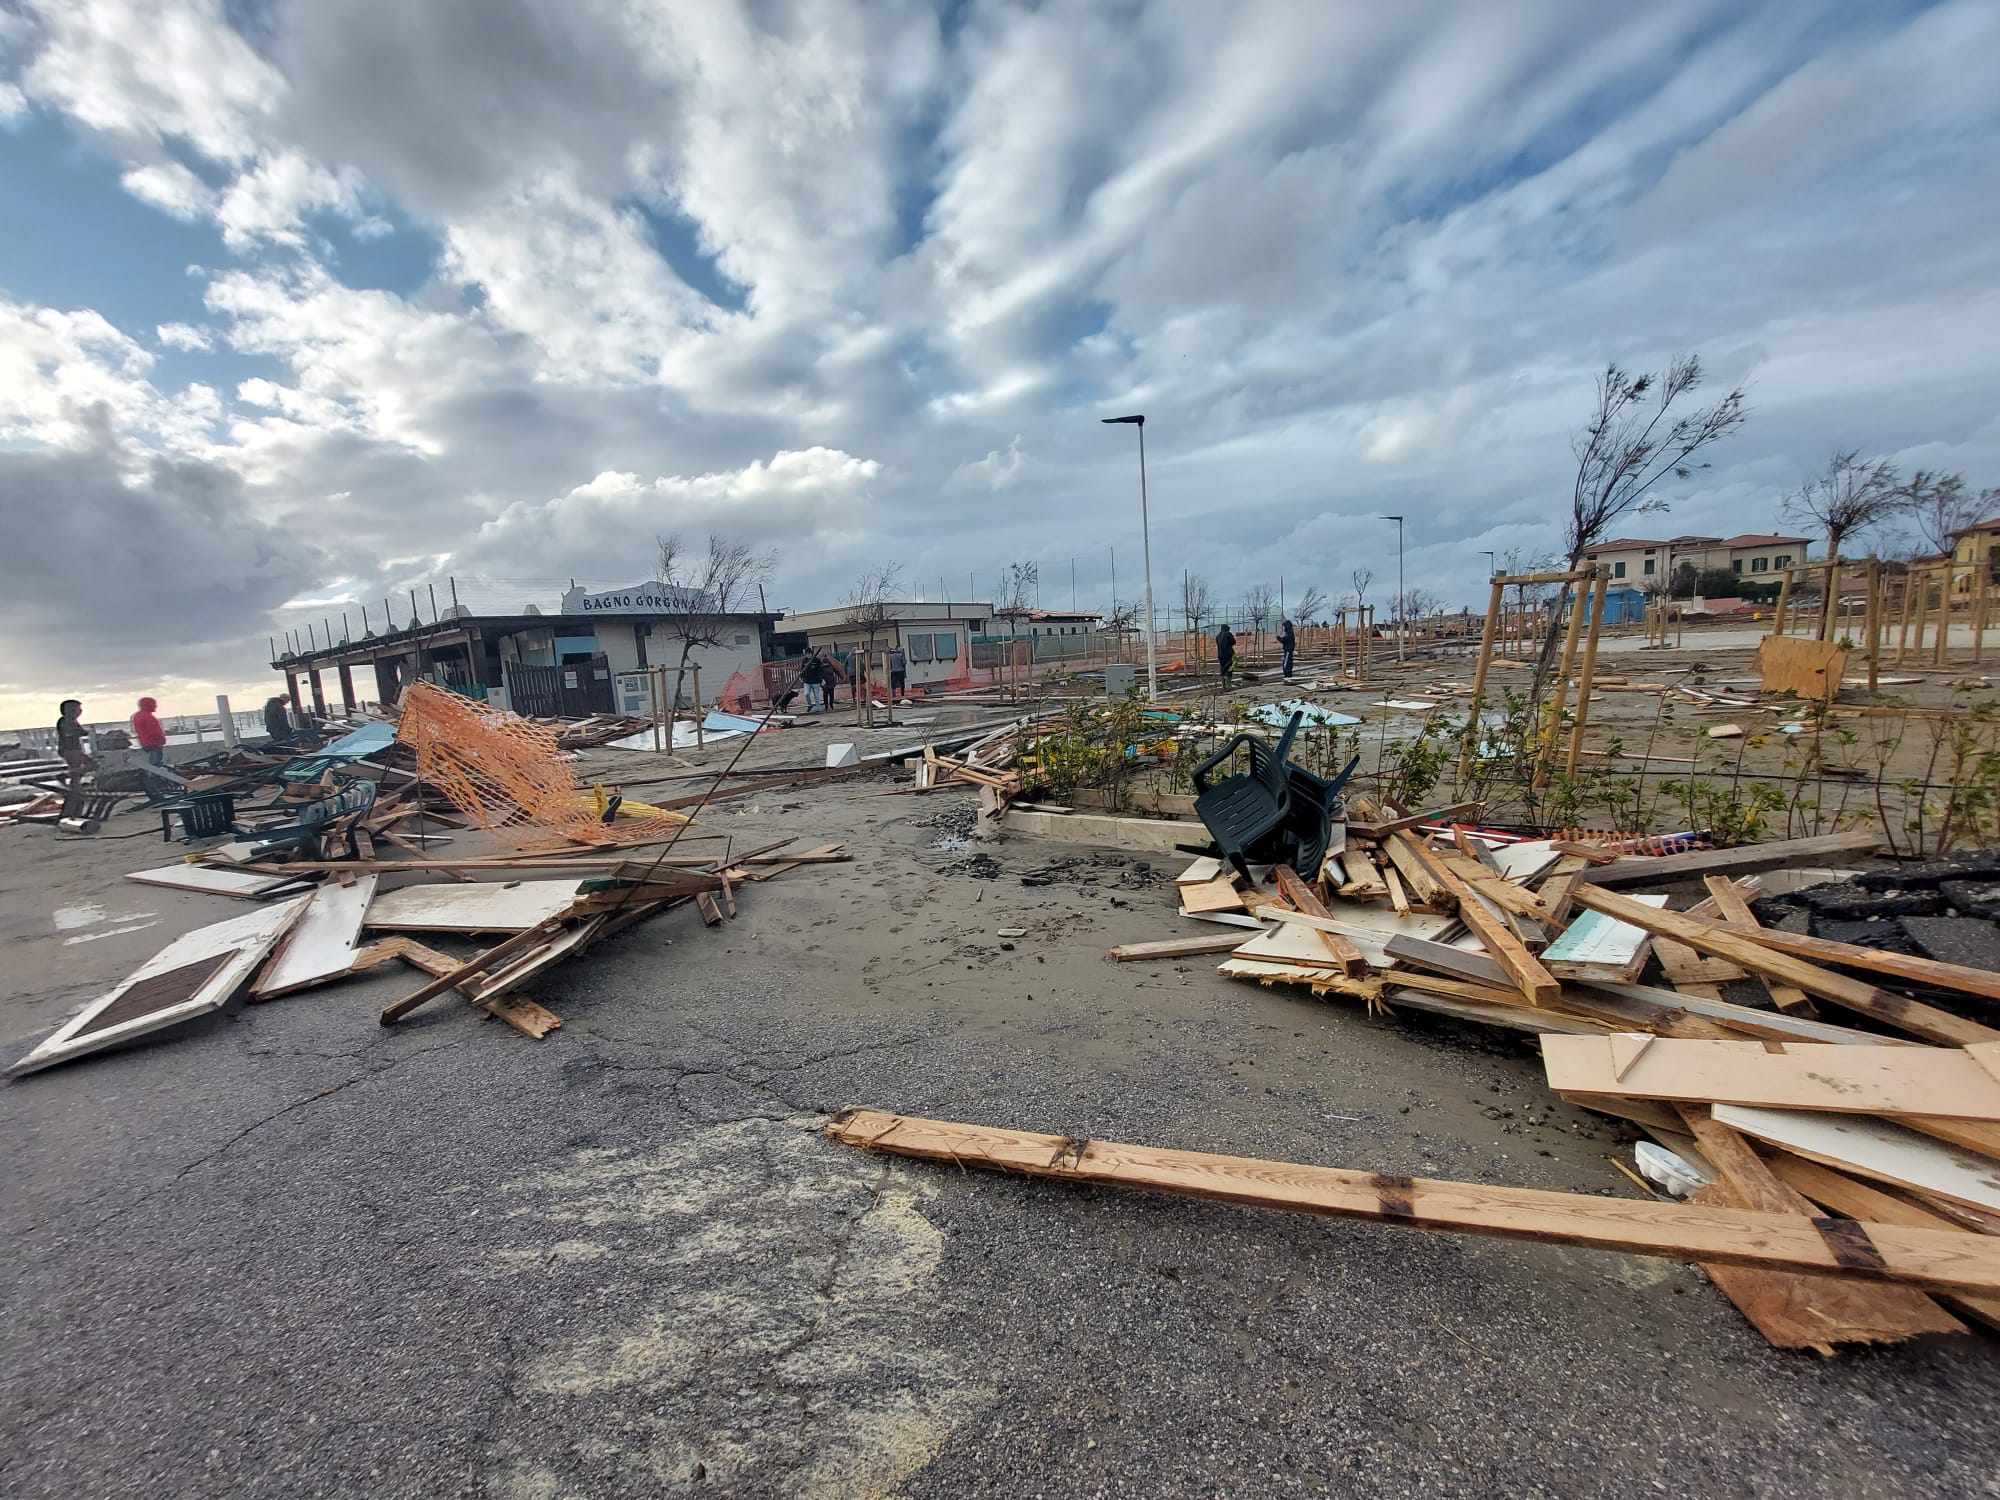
(505, 772)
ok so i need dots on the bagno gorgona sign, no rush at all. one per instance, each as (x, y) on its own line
(645, 598)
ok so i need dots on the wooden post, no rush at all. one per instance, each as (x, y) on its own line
(1603, 585)
(1945, 578)
(1784, 603)
(695, 667)
(1903, 629)
(1874, 626)
(1826, 602)
(1982, 570)
(1479, 678)
(1560, 693)
(1367, 614)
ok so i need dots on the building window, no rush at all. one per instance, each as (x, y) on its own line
(742, 640)
(1736, 565)
(1782, 560)
(1618, 570)
(1760, 564)
(944, 645)
(1649, 567)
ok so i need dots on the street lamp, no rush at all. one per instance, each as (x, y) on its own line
(1146, 542)
(1401, 629)
(1492, 563)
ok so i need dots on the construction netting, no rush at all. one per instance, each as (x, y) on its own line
(503, 772)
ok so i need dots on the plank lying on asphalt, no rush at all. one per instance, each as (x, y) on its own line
(1872, 1252)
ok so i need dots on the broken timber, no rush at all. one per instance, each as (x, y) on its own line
(1939, 1259)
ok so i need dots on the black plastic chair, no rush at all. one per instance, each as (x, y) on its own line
(1316, 806)
(1243, 811)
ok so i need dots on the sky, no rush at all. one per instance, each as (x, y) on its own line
(304, 306)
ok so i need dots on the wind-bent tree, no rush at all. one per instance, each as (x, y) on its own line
(1941, 506)
(1846, 497)
(1312, 604)
(703, 593)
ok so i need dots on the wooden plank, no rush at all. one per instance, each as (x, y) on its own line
(1640, 869)
(1859, 1200)
(1219, 894)
(198, 972)
(487, 906)
(1462, 963)
(1874, 1252)
(1369, 928)
(1148, 835)
(321, 944)
(1791, 1310)
(526, 1016)
(1188, 947)
(208, 879)
(1595, 946)
(1201, 872)
(1974, 1135)
(1382, 829)
(1781, 1075)
(1339, 947)
(711, 913)
(1926, 1021)
(518, 944)
(1745, 1021)
(1874, 1148)
(1501, 945)
(1420, 872)
(1898, 965)
(1733, 907)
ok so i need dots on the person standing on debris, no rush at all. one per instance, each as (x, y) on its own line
(146, 730)
(812, 676)
(1225, 650)
(277, 722)
(1288, 641)
(899, 671)
(69, 740)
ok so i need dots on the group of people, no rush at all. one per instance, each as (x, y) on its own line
(822, 672)
(72, 737)
(1225, 648)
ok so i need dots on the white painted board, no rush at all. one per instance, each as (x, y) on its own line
(483, 906)
(246, 939)
(1874, 1148)
(183, 877)
(322, 945)
(1594, 938)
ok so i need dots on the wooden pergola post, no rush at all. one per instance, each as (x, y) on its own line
(1874, 627)
(1903, 628)
(1784, 603)
(1493, 604)
(1602, 590)
(1982, 571)
(1560, 692)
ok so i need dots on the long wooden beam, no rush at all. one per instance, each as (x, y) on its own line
(1900, 965)
(1641, 869)
(1793, 1242)
(1750, 953)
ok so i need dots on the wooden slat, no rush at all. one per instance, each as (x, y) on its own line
(1874, 1148)
(1872, 1252)
(1340, 948)
(1878, 960)
(1648, 870)
(1501, 945)
(1926, 1021)
(1177, 947)
(526, 1016)
(1733, 907)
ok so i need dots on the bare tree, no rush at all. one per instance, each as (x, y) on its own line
(1419, 604)
(1197, 604)
(867, 610)
(1942, 506)
(704, 593)
(1258, 603)
(1312, 604)
(1624, 450)
(1361, 578)
(1846, 497)
(1020, 582)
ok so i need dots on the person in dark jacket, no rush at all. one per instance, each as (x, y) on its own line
(1225, 651)
(146, 731)
(277, 720)
(812, 673)
(69, 740)
(1288, 640)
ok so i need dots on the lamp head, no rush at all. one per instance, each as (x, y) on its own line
(1136, 421)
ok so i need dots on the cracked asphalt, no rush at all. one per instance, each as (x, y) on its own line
(285, 1251)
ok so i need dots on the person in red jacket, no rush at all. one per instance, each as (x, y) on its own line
(146, 730)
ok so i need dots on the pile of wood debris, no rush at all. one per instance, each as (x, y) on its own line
(1826, 1158)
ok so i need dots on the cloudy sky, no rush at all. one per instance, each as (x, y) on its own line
(306, 303)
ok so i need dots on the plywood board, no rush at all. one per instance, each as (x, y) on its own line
(1369, 928)
(194, 974)
(1219, 894)
(485, 906)
(183, 877)
(321, 945)
(1784, 1075)
(1200, 872)
(1595, 946)
(1793, 664)
(1874, 1148)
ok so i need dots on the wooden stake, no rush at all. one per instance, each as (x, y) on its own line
(1784, 603)
(1559, 694)
(1944, 574)
(1472, 726)
(1589, 671)
(1874, 627)
(1982, 571)
(1942, 1259)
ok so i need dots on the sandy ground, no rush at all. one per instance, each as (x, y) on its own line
(287, 1251)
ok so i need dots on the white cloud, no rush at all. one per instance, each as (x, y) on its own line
(170, 186)
(269, 202)
(182, 336)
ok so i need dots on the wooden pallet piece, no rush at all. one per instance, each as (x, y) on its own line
(1870, 1252)
(527, 1016)
(1925, 1021)
(1791, 1310)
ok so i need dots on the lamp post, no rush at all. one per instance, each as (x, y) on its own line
(1402, 629)
(1492, 563)
(1146, 544)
